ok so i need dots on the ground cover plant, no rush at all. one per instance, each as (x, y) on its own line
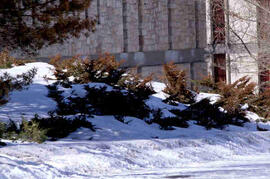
(127, 87)
(126, 94)
(241, 92)
(85, 89)
(9, 83)
(7, 61)
(40, 129)
(176, 84)
(226, 110)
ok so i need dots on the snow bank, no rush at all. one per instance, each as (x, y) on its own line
(86, 159)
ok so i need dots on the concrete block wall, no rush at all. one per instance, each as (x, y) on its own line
(111, 32)
(146, 33)
(132, 25)
(201, 23)
(149, 33)
(183, 24)
(160, 22)
(154, 25)
(92, 41)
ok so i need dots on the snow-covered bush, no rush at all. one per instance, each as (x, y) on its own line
(167, 123)
(59, 127)
(234, 96)
(226, 110)
(211, 115)
(176, 84)
(40, 129)
(27, 131)
(123, 93)
(105, 69)
(126, 98)
(7, 61)
(206, 84)
(116, 102)
(31, 131)
(2, 129)
(100, 101)
(9, 83)
(134, 82)
(71, 107)
(261, 104)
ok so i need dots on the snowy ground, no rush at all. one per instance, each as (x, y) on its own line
(133, 150)
(250, 167)
(215, 154)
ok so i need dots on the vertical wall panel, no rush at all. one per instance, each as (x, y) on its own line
(132, 26)
(155, 25)
(183, 24)
(201, 24)
(111, 22)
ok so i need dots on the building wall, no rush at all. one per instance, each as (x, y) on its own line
(162, 25)
(146, 33)
(149, 33)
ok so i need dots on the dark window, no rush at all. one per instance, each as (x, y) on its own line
(264, 59)
(220, 67)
